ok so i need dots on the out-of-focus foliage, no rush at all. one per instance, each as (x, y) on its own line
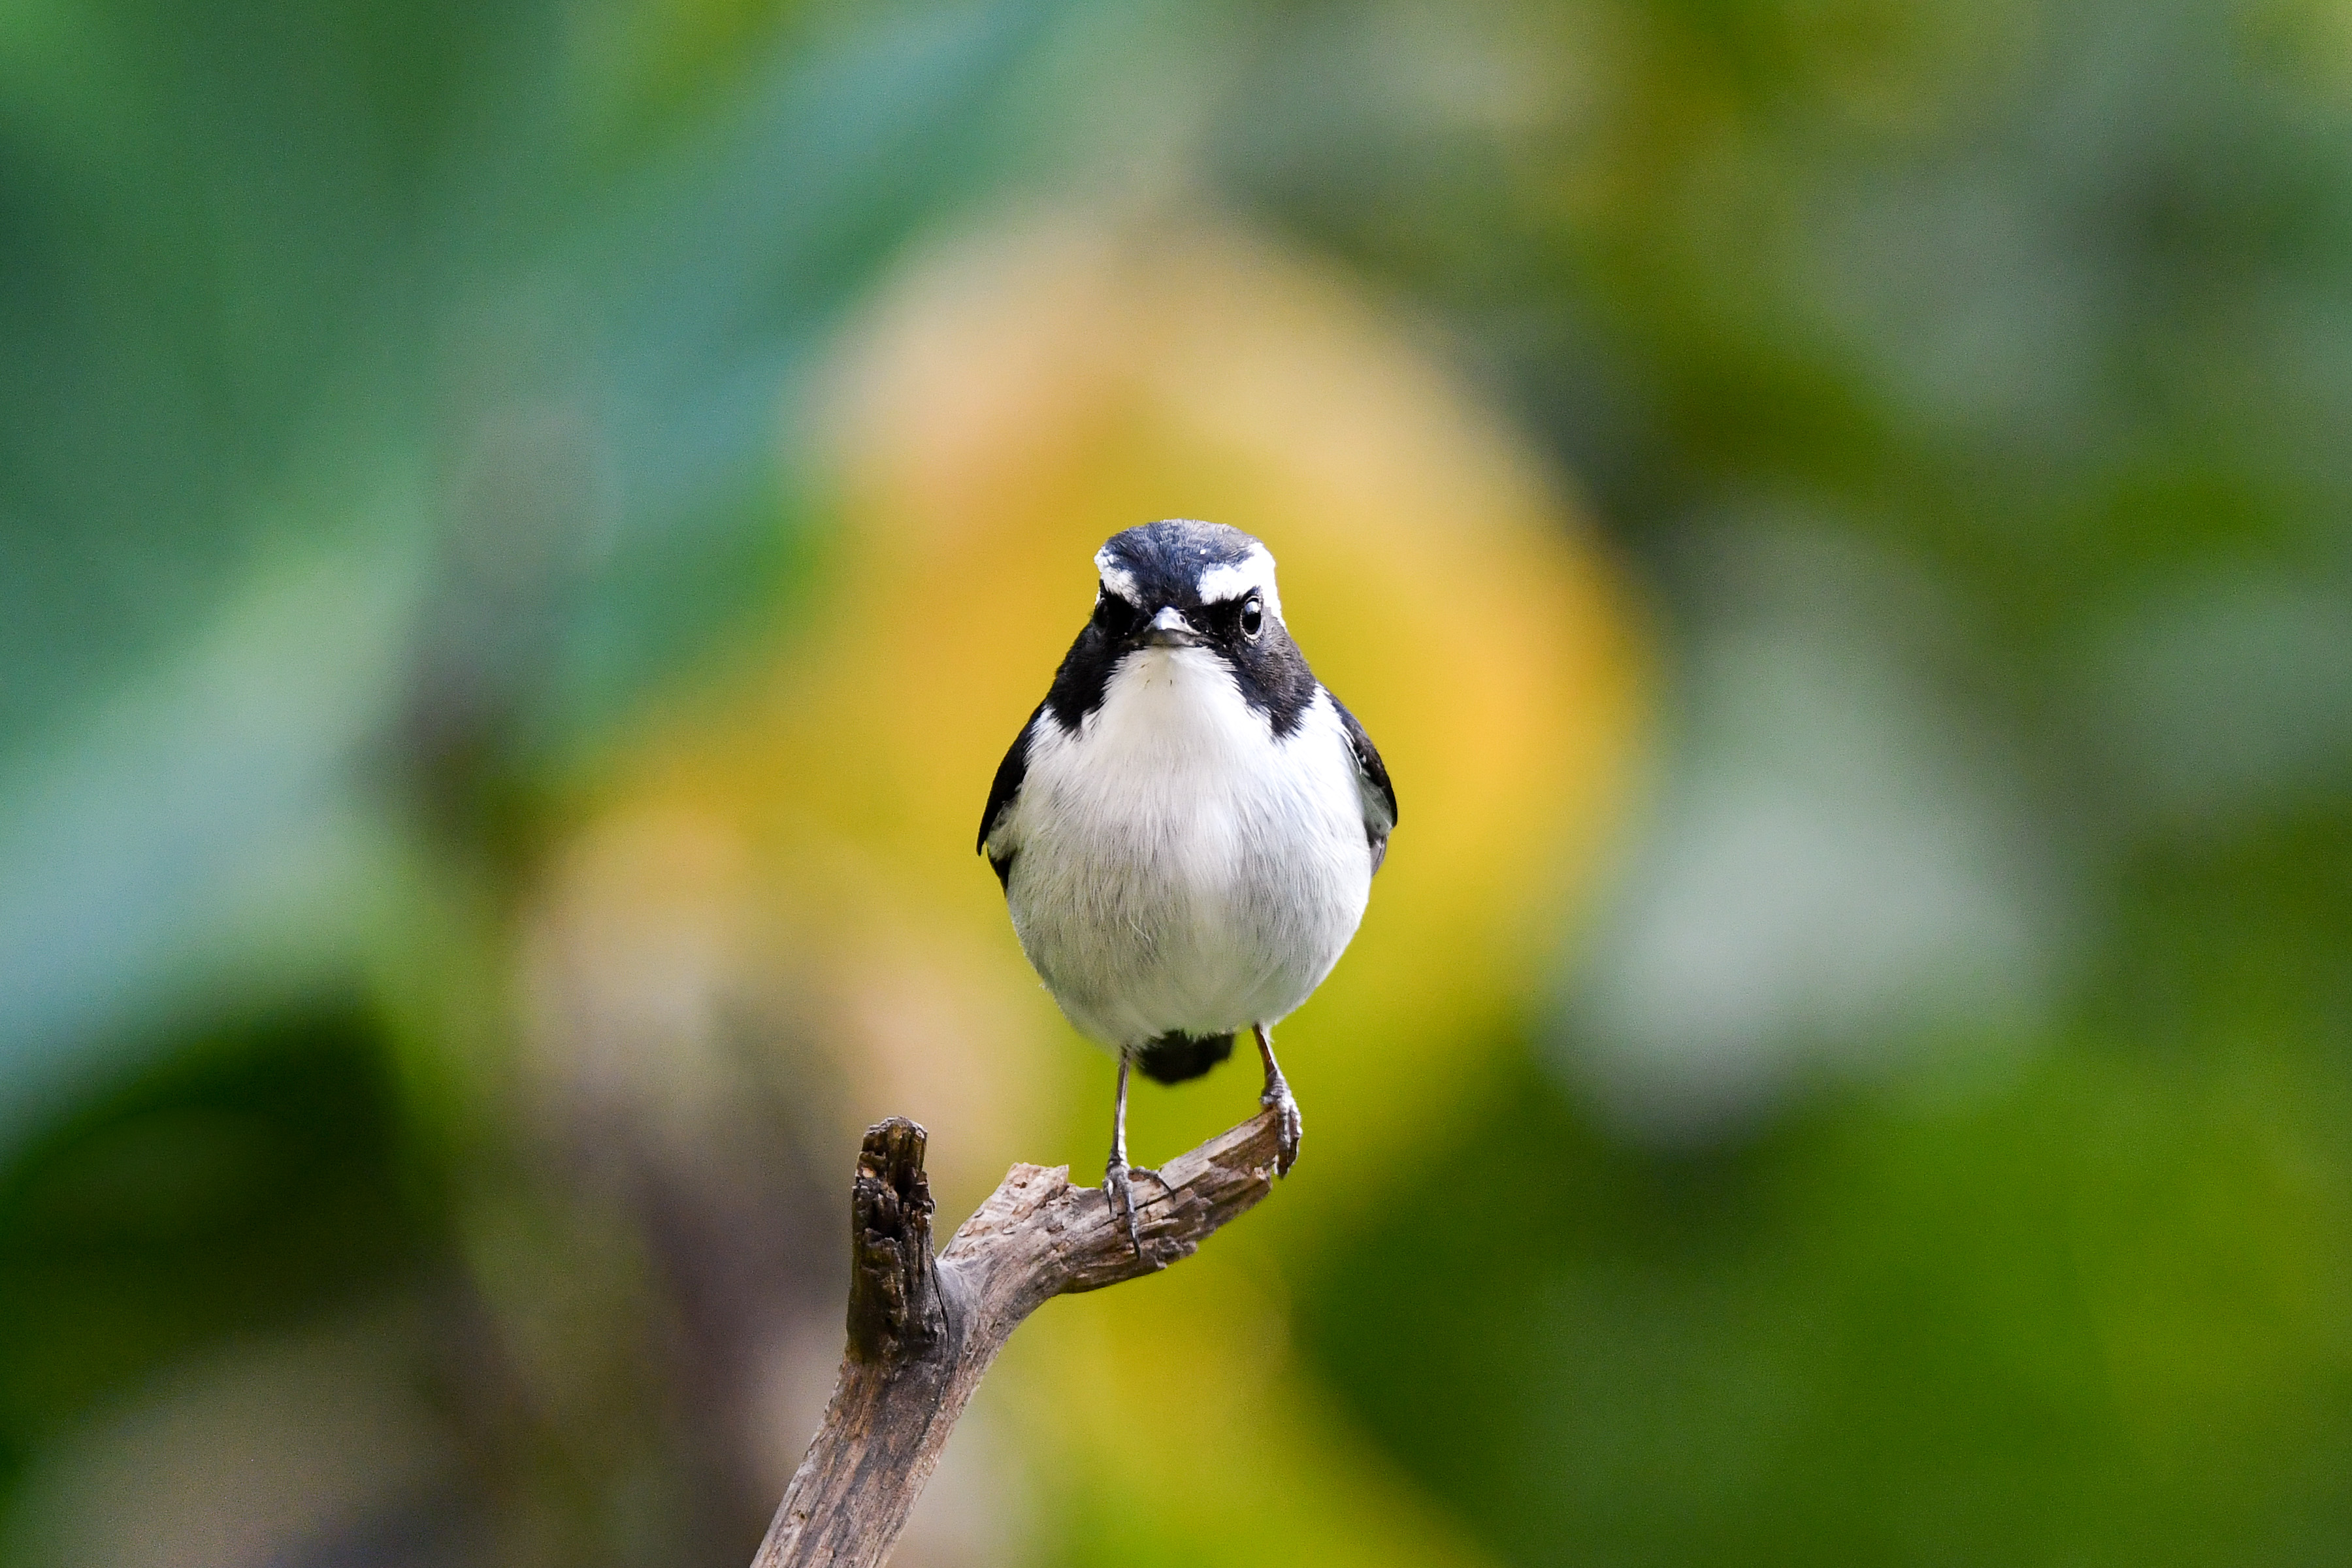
(1968, 379)
(523, 529)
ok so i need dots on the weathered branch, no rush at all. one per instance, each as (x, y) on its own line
(922, 1331)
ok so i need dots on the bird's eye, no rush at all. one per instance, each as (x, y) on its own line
(1253, 616)
(1112, 613)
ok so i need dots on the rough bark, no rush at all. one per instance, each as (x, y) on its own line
(923, 1330)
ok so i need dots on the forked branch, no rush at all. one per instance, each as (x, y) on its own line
(923, 1330)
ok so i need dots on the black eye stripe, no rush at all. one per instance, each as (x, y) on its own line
(1241, 617)
(1113, 613)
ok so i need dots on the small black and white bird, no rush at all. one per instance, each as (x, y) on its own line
(1187, 827)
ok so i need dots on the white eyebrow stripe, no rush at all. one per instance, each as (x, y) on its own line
(1117, 579)
(1231, 582)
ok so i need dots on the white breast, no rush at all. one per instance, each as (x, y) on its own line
(1176, 868)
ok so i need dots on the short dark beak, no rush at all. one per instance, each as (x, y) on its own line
(1169, 628)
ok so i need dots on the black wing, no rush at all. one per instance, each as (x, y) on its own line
(1009, 775)
(1371, 783)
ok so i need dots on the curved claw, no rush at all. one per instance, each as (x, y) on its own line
(1277, 1098)
(1121, 1198)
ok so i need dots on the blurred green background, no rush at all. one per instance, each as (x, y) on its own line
(524, 528)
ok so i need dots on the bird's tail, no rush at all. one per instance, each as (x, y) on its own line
(1178, 1058)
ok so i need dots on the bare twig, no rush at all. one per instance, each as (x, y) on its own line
(923, 1330)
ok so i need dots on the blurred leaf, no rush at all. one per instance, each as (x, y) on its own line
(209, 828)
(252, 1179)
(2083, 1313)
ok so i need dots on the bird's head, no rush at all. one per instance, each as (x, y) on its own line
(1194, 593)
(1182, 584)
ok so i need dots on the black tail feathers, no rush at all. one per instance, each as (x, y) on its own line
(1178, 1058)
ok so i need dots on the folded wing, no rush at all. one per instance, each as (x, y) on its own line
(1372, 784)
(1001, 794)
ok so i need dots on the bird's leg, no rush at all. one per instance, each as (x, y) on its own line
(1115, 1188)
(1277, 1097)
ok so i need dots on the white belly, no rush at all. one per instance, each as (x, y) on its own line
(1176, 868)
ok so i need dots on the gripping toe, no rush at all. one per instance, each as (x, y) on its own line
(1120, 1195)
(1289, 1130)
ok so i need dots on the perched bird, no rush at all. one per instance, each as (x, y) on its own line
(1187, 827)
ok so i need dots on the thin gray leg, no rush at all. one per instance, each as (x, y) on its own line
(1116, 1191)
(1277, 1098)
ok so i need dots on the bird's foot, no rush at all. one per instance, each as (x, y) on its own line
(1291, 1128)
(1121, 1198)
